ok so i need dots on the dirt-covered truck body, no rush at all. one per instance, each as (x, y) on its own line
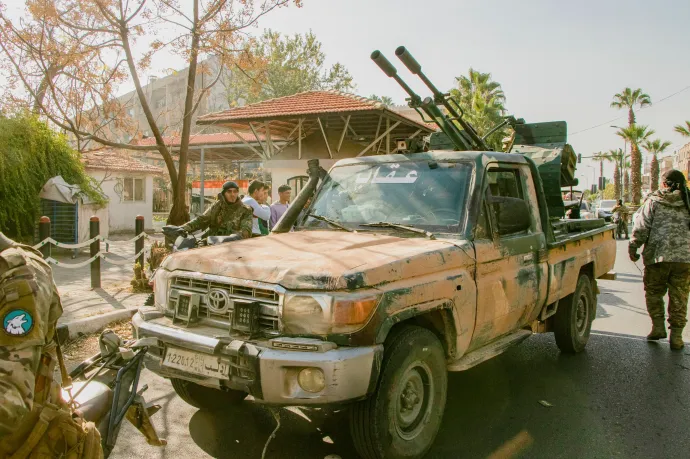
(385, 273)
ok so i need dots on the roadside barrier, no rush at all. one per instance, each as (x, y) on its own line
(94, 243)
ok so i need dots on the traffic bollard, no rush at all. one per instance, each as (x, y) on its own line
(43, 234)
(139, 243)
(94, 230)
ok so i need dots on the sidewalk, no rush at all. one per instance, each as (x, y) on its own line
(86, 310)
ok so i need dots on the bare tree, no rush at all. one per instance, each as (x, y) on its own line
(67, 58)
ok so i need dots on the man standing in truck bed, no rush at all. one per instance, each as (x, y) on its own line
(226, 216)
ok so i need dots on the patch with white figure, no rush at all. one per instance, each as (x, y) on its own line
(17, 322)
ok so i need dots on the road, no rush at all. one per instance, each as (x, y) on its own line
(622, 398)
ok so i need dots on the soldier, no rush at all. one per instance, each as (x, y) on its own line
(663, 226)
(34, 420)
(623, 213)
(226, 216)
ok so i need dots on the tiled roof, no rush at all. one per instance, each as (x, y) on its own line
(116, 160)
(304, 103)
(205, 139)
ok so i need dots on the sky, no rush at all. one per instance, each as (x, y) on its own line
(555, 60)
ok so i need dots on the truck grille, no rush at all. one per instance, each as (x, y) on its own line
(241, 296)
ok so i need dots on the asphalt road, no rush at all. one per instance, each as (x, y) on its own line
(621, 398)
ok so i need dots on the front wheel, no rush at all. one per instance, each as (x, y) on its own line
(402, 417)
(206, 398)
(573, 319)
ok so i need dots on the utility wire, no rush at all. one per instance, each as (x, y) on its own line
(623, 116)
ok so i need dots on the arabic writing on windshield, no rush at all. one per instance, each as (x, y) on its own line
(419, 193)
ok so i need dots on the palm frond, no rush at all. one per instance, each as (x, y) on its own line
(683, 130)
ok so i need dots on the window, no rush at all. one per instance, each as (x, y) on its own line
(297, 183)
(505, 183)
(510, 211)
(133, 189)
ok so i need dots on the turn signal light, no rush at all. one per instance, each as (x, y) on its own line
(353, 311)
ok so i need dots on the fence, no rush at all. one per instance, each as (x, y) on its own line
(94, 243)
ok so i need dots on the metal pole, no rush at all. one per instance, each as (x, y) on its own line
(139, 243)
(43, 234)
(201, 184)
(94, 230)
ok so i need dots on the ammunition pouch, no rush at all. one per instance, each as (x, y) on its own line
(51, 430)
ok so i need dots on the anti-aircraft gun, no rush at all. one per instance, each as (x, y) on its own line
(544, 143)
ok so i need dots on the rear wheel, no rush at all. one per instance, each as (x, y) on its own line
(573, 320)
(206, 398)
(402, 417)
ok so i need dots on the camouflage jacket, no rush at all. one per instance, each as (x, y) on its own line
(624, 211)
(29, 310)
(662, 227)
(224, 219)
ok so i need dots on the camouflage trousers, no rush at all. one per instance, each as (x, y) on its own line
(674, 278)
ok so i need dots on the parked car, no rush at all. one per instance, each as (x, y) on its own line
(604, 209)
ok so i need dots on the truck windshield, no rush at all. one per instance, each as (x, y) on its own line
(425, 194)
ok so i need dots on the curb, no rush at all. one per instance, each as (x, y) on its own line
(78, 327)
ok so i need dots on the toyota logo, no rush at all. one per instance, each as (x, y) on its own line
(218, 301)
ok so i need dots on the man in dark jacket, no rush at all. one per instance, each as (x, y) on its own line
(663, 227)
(226, 216)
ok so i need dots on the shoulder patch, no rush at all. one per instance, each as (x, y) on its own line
(17, 322)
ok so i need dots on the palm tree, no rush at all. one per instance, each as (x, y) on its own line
(629, 98)
(655, 147)
(683, 130)
(616, 157)
(482, 100)
(635, 135)
(626, 182)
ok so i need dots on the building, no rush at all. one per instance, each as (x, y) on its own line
(324, 125)
(166, 98)
(128, 185)
(682, 159)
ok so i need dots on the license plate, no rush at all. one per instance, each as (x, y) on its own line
(197, 363)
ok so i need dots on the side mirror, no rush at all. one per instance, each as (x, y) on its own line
(512, 214)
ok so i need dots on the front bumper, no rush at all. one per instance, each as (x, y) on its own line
(270, 375)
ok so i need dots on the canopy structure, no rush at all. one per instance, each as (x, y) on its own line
(57, 189)
(333, 116)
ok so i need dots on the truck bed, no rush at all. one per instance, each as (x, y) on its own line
(566, 230)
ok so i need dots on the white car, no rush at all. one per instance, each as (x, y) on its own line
(604, 209)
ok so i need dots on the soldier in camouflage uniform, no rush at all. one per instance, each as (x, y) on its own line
(623, 213)
(663, 227)
(226, 216)
(34, 420)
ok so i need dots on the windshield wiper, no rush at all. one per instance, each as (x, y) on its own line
(333, 223)
(398, 226)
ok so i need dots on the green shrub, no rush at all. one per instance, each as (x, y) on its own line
(30, 154)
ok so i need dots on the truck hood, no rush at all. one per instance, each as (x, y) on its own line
(324, 260)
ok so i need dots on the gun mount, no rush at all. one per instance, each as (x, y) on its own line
(543, 143)
(461, 139)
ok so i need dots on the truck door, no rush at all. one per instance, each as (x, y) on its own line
(511, 279)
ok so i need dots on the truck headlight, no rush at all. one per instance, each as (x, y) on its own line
(161, 287)
(321, 314)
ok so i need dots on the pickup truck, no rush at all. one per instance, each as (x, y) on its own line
(398, 269)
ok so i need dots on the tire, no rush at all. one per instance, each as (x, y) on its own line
(206, 398)
(573, 320)
(391, 424)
